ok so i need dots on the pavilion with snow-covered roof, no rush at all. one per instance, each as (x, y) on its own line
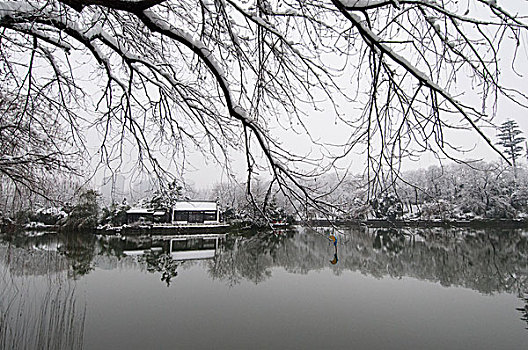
(195, 212)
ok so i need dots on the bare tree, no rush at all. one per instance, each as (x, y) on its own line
(35, 147)
(225, 75)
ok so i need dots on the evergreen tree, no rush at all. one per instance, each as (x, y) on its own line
(510, 138)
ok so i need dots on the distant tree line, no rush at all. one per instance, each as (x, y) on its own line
(452, 192)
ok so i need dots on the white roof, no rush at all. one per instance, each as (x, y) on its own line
(195, 206)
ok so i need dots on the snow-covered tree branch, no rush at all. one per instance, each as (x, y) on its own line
(227, 76)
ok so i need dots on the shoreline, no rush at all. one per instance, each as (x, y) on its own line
(224, 228)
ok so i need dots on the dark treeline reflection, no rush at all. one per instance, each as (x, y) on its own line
(488, 261)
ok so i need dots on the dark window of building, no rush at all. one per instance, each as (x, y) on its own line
(196, 216)
(193, 244)
(181, 216)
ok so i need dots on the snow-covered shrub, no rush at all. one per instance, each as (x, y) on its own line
(441, 209)
(49, 215)
(387, 206)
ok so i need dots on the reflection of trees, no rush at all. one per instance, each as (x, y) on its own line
(389, 240)
(80, 252)
(49, 254)
(225, 266)
(248, 258)
(487, 261)
(37, 256)
(524, 310)
(162, 263)
(111, 246)
(38, 313)
(256, 259)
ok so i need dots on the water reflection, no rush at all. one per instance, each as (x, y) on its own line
(488, 261)
(524, 309)
(41, 307)
(44, 311)
(389, 240)
(48, 254)
(162, 263)
(162, 254)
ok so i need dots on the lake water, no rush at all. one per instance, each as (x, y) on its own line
(373, 289)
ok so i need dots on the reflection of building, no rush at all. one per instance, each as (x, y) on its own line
(195, 212)
(192, 248)
(179, 247)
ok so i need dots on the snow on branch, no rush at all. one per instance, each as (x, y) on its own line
(125, 5)
(157, 24)
(363, 5)
(377, 43)
(368, 4)
(381, 71)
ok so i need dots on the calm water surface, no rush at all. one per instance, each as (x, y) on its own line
(374, 289)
